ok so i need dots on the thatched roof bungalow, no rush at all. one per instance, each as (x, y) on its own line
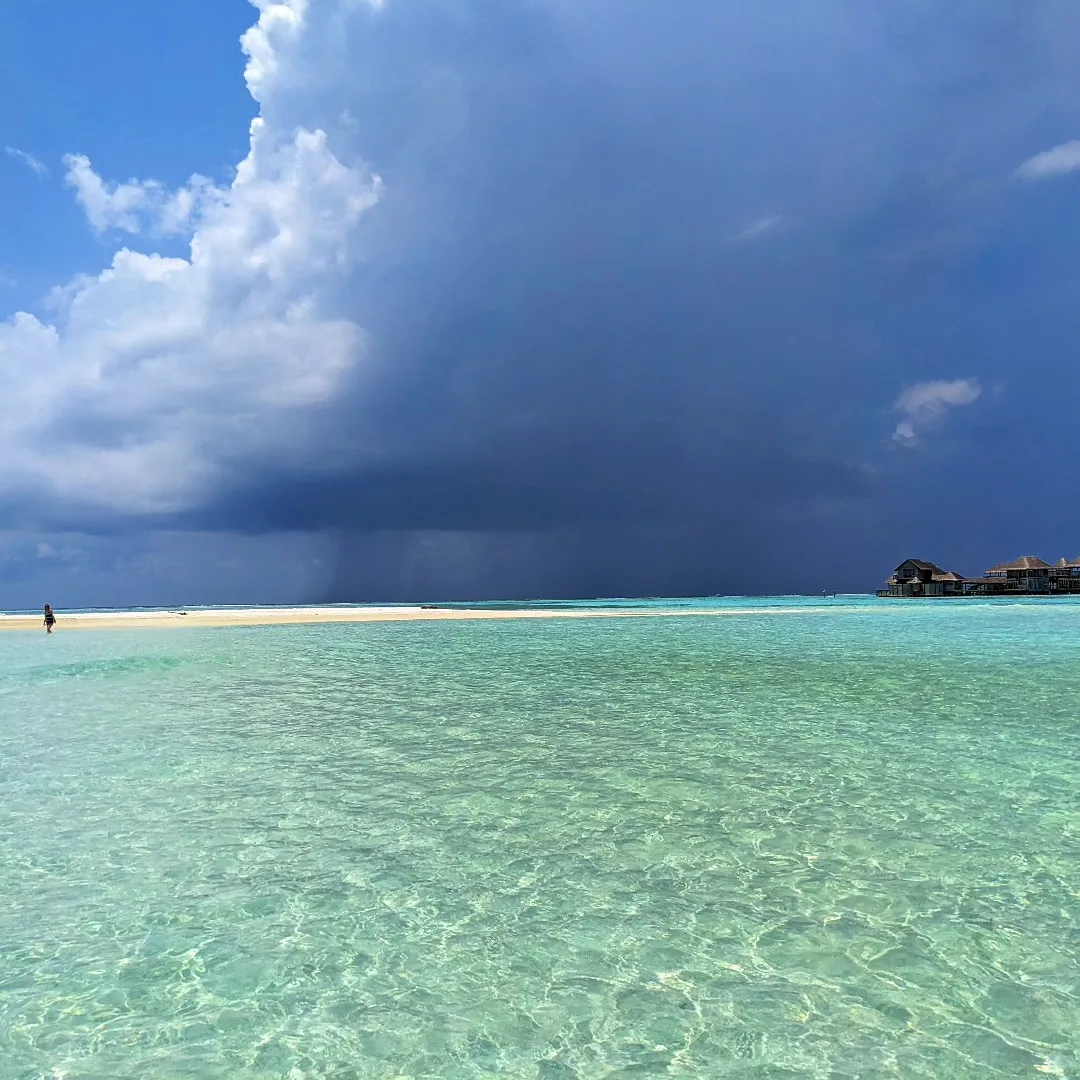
(1027, 576)
(1025, 566)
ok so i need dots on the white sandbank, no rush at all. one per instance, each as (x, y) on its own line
(203, 617)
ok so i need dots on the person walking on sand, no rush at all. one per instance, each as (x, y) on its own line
(50, 619)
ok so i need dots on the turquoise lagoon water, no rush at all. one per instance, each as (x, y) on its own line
(834, 843)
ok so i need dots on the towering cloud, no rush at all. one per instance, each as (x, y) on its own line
(158, 380)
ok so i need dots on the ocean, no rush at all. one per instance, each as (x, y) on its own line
(838, 839)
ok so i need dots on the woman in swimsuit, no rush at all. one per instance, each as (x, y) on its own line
(50, 619)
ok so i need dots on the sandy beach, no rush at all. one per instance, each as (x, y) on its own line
(157, 620)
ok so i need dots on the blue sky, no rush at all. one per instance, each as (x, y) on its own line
(153, 90)
(502, 299)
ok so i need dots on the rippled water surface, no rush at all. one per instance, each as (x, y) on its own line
(836, 843)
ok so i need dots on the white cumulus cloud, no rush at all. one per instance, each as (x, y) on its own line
(1057, 161)
(136, 204)
(925, 404)
(110, 206)
(155, 378)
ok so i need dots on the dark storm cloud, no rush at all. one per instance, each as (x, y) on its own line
(646, 280)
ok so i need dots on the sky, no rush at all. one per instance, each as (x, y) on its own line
(419, 300)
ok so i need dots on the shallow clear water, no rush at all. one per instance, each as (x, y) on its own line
(835, 844)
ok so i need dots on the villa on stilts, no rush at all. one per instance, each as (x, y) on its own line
(1026, 576)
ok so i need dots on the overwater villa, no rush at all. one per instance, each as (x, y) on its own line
(1026, 576)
